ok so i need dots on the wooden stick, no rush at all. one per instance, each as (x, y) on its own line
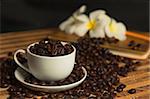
(140, 36)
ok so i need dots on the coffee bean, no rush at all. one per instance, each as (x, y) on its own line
(35, 97)
(29, 95)
(43, 97)
(138, 45)
(131, 43)
(4, 85)
(10, 54)
(68, 48)
(131, 91)
(7, 77)
(123, 71)
(119, 89)
(122, 86)
(23, 94)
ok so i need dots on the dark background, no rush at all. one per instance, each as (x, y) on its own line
(20, 15)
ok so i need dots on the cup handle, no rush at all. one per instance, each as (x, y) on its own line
(19, 64)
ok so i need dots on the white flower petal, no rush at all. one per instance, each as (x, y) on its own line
(104, 19)
(94, 15)
(94, 34)
(81, 29)
(81, 10)
(121, 37)
(98, 31)
(82, 18)
(116, 30)
(66, 23)
(121, 30)
(113, 21)
(70, 29)
(107, 31)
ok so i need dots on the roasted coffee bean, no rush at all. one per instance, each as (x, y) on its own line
(11, 89)
(29, 95)
(123, 71)
(131, 43)
(138, 45)
(106, 95)
(119, 89)
(131, 91)
(68, 48)
(35, 97)
(10, 54)
(122, 86)
(4, 85)
(7, 77)
(43, 97)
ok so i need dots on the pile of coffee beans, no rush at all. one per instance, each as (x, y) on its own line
(6, 70)
(103, 67)
(76, 75)
(102, 81)
(49, 47)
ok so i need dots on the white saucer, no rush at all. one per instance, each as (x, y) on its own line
(20, 75)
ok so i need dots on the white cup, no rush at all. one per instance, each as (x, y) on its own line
(45, 67)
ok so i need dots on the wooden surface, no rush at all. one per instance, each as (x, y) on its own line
(140, 79)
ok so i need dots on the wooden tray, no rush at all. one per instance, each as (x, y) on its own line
(140, 79)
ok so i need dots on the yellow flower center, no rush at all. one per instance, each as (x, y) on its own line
(112, 27)
(91, 24)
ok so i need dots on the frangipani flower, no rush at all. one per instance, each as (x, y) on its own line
(98, 24)
(98, 20)
(94, 24)
(80, 24)
(117, 30)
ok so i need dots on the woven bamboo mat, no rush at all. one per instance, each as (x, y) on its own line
(140, 79)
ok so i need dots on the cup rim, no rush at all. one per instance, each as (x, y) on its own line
(40, 56)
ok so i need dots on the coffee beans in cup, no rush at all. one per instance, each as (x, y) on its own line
(49, 47)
